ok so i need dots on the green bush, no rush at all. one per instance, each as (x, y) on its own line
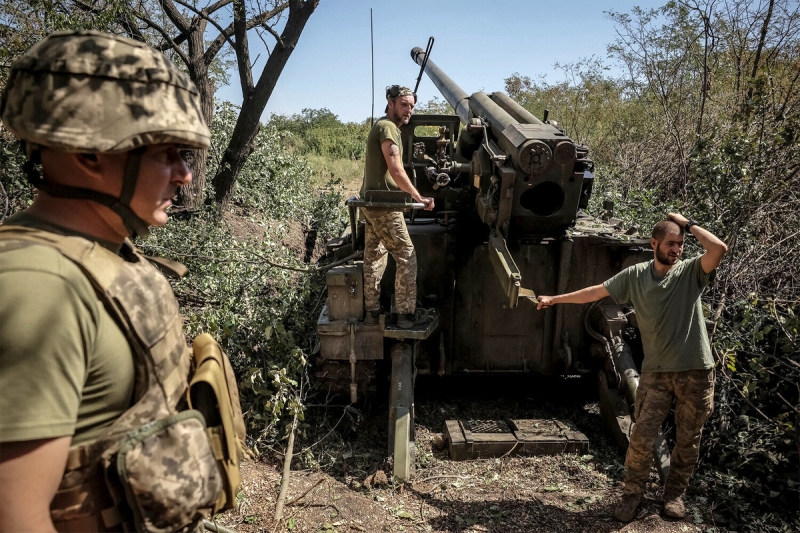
(16, 192)
(264, 316)
(319, 132)
(750, 451)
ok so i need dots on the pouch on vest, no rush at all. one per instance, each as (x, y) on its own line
(213, 392)
(165, 465)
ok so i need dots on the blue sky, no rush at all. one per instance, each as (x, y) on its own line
(478, 43)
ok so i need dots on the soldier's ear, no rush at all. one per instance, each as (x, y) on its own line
(101, 167)
(653, 243)
(88, 163)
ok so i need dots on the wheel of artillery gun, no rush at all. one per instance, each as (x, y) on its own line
(616, 410)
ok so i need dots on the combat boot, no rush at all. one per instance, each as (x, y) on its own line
(673, 505)
(626, 508)
(408, 321)
(373, 318)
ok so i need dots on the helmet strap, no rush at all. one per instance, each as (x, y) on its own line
(121, 206)
(31, 165)
(136, 226)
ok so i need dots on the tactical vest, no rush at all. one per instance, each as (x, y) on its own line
(155, 468)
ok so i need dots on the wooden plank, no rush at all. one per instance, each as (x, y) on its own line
(402, 457)
(457, 444)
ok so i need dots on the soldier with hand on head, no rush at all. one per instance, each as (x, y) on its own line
(678, 367)
(386, 231)
(95, 427)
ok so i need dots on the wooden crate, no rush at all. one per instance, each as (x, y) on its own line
(481, 439)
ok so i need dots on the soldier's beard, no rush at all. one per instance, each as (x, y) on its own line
(665, 259)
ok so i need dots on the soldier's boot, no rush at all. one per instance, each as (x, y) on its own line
(626, 508)
(673, 504)
(373, 318)
(408, 321)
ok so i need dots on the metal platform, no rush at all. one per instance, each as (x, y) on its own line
(482, 439)
(419, 332)
(386, 327)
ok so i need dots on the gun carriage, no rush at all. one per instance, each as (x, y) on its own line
(509, 223)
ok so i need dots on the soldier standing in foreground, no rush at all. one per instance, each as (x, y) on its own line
(678, 366)
(94, 365)
(386, 230)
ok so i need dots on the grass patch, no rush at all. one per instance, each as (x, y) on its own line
(325, 169)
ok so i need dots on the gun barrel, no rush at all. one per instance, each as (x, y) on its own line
(520, 114)
(477, 105)
(498, 118)
(455, 95)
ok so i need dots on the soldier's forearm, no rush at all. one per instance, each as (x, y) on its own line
(713, 246)
(589, 294)
(405, 185)
(709, 241)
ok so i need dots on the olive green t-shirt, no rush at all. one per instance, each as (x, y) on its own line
(65, 367)
(376, 171)
(669, 314)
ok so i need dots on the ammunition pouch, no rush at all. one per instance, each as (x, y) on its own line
(164, 475)
(168, 473)
(213, 392)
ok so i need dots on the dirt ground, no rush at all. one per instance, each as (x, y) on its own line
(339, 486)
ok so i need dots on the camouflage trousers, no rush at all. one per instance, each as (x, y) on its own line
(692, 392)
(386, 232)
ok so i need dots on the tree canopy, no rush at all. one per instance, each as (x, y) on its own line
(205, 40)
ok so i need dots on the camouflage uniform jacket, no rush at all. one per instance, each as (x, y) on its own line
(165, 478)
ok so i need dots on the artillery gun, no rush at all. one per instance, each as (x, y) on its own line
(510, 191)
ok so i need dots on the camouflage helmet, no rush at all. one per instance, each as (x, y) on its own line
(89, 92)
(92, 92)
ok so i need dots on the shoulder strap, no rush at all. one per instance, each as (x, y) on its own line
(100, 266)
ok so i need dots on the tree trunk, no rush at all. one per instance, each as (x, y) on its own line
(192, 196)
(249, 121)
(762, 39)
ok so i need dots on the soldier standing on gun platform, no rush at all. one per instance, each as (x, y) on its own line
(678, 366)
(386, 230)
(92, 348)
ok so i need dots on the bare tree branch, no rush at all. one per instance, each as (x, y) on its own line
(242, 49)
(125, 22)
(259, 19)
(205, 16)
(759, 49)
(213, 7)
(274, 34)
(266, 45)
(165, 36)
(175, 16)
(792, 407)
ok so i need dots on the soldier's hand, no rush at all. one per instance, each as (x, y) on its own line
(428, 201)
(544, 302)
(678, 219)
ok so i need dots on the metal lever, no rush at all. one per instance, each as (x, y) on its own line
(529, 294)
(422, 67)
